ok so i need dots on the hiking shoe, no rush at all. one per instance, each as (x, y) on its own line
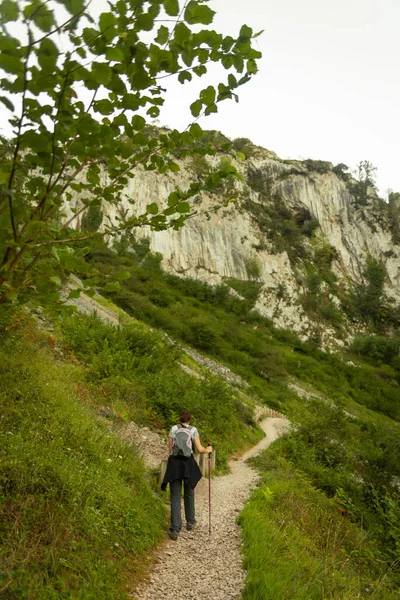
(190, 526)
(173, 535)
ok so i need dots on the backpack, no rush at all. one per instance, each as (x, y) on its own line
(182, 444)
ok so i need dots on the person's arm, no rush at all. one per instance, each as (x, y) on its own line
(170, 444)
(201, 448)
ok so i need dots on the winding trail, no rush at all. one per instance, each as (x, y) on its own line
(198, 565)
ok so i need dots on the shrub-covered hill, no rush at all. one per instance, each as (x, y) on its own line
(345, 442)
(79, 514)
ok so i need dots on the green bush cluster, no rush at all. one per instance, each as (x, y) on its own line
(378, 350)
(227, 328)
(318, 166)
(138, 371)
(92, 218)
(280, 226)
(367, 301)
(353, 461)
(247, 289)
(298, 545)
(246, 146)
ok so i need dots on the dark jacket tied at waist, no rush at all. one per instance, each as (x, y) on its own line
(179, 467)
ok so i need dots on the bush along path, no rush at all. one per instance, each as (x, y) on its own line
(199, 565)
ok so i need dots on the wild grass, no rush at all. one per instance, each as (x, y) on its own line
(299, 546)
(77, 511)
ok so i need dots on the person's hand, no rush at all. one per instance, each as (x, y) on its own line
(209, 449)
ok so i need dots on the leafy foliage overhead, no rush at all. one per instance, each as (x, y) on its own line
(80, 93)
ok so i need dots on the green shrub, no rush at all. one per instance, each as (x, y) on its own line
(319, 166)
(378, 349)
(247, 289)
(245, 145)
(252, 268)
(298, 546)
(92, 218)
(160, 388)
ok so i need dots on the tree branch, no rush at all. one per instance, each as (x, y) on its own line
(60, 27)
(18, 141)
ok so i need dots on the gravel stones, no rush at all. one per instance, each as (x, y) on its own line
(199, 565)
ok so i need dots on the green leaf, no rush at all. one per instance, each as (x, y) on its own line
(152, 209)
(130, 101)
(241, 155)
(11, 294)
(245, 33)
(184, 207)
(154, 112)
(184, 76)
(7, 103)
(114, 54)
(4, 175)
(40, 14)
(101, 73)
(48, 54)
(196, 131)
(74, 294)
(198, 13)
(138, 122)
(162, 35)
(11, 64)
(112, 286)
(73, 6)
(144, 22)
(106, 21)
(171, 7)
(195, 108)
(208, 95)
(200, 70)
(56, 280)
(8, 11)
(104, 107)
(33, 227)
(173, 198)
(182, 33)
(122, 275)
(174, 167)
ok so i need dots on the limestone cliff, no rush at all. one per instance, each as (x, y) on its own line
(285, 213)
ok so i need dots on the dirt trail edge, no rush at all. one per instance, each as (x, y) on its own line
(198, 565)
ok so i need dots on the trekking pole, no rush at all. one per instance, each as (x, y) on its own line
(209, 491)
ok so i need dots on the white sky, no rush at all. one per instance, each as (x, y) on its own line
(328, 86)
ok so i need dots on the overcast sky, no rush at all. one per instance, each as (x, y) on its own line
(328, 86)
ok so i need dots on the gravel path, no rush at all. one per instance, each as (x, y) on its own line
(211, 566)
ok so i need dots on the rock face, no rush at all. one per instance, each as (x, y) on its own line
(251, 239)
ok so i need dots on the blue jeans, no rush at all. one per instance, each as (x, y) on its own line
(188, 500)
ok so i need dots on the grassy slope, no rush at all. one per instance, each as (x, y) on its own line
(353, 461)
(72, 524)
(77, 511)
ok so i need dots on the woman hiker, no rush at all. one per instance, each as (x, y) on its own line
(183, 467)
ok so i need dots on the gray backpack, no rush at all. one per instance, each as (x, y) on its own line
(182, 444)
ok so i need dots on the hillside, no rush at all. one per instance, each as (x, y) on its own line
(313, 243)
(263, 306)
(342, 454)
